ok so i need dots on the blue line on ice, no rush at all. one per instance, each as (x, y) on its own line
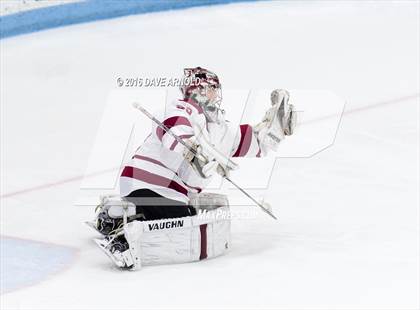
(91, 10)
(27, 262)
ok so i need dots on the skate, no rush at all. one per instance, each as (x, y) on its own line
(117, 249)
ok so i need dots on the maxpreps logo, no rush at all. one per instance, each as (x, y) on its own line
(166, 225)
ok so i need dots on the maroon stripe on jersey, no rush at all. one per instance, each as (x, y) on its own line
(245, 143)
(203, 239)
(198, 189)
(194, 104)
(150, 160)
(151, 178)
(171, 122)
(176, 142)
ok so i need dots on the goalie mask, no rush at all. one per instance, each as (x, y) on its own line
(203, 86)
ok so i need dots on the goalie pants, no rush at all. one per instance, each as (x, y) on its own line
(156, 207)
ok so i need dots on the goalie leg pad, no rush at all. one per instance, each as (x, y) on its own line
(132, 233)
(184, 240)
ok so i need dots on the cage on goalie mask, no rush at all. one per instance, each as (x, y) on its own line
(204, 87)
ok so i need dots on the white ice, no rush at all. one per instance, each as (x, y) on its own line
(348, 228)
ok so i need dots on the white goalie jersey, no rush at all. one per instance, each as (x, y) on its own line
(159, 164)
(177, 161)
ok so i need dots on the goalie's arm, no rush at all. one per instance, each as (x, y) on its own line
(246, 143)
(179, 125)
(279, 121)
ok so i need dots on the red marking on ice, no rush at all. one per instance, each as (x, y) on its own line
(56, 183)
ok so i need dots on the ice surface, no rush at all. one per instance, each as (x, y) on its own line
(26, 262)
(347, 234)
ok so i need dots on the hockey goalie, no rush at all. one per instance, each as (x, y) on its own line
(155, 220)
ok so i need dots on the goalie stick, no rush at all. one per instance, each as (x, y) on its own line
(263, 205)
